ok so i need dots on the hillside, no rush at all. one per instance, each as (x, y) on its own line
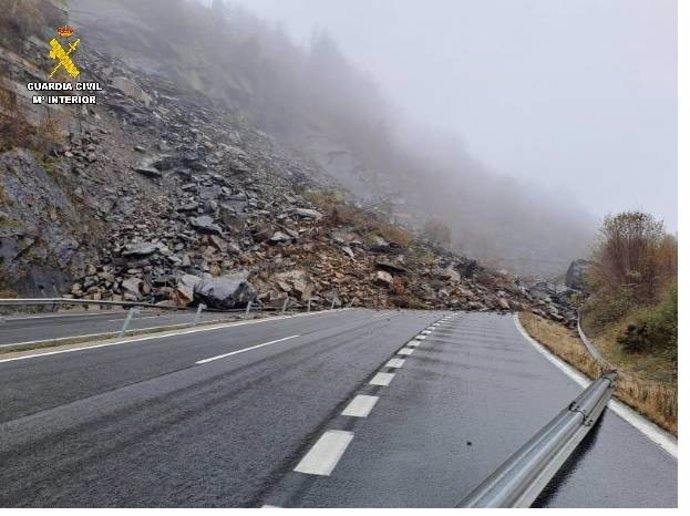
(163, 184)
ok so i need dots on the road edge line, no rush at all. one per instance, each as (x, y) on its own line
(650, 430)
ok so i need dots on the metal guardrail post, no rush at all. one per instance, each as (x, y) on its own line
(332, 303)
(520, 479)
(199, 309)
(351, 302)
(285, 305)
(130, 315)
(309, 305)
(249, 307)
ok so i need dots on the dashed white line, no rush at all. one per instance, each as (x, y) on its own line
(406, 351)
(361, 406)
(420, 337)
(395, 363)
(325, 454)
(383, 379)
(414, 343)
(244, 350)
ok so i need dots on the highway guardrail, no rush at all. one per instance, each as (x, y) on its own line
(521, 478)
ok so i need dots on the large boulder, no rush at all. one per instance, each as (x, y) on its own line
(224, 293)
(575, 277)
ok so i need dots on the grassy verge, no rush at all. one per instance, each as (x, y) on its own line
(657, 401)
(653, 367)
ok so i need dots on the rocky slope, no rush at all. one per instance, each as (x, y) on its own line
(157, 194)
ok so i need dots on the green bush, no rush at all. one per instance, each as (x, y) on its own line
(663, 321)
(655, 329)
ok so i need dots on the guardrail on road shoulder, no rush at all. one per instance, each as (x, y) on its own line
(598, 357)
(520, 479)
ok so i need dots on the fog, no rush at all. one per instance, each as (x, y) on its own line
(578, 96)
(519, 124)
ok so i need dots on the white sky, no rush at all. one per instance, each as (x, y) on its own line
(577, 94)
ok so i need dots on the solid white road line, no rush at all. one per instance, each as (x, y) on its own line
(395, 363)
(172, 333)
(655, 434)
(360, 406)
(244, 350)
(325, 454)
(406, 352)
(383, 379)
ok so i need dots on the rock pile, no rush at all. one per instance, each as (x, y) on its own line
(188, 203)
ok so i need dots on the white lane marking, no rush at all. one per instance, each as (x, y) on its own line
(420, 337)
(414, 343)
(360, 406)
(655, 434)
(406, 351)
(383, 379)
(325, 454)
(221, 326)
(426, 332)
(271, 506)
(244, 350)
(395, 363)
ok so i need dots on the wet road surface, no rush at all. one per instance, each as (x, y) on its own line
(329, 410)
(17, 330)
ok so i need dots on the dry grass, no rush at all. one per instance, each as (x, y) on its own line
(655, 400)
(561, 342)
(653, 367)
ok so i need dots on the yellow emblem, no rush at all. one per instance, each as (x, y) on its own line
(63, 57)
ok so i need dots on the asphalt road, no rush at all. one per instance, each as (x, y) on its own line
(311, 411)
(19, 330)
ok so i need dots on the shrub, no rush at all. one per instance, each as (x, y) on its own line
(655, 329)
(633, 253)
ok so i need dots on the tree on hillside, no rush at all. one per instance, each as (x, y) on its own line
(633, 255)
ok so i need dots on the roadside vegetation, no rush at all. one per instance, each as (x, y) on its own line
(630, 313)
(657, 401)
(632, 310)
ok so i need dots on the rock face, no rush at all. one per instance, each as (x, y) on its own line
(224, 293)
(575, 277)
(43, 238)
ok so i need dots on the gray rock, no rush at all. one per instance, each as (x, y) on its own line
(224, 293)
(279, 236)
(383, 278)
(185, 288)
(148, 171)
(205, 224)
(141, 249)
(132, 286)
(190, 206)
(131, 89)
(307, 213)
(575, 277)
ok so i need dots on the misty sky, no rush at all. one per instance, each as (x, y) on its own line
(578, 94)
